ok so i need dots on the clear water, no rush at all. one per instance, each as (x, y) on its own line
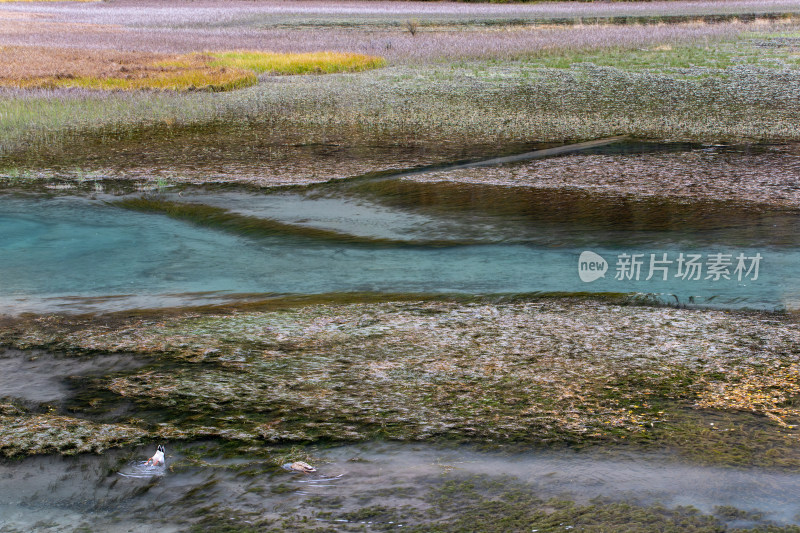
(114, 492)
(77, 254)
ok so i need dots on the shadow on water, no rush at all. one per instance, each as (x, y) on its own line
(539, 153)
(379, 486)
(591, 213)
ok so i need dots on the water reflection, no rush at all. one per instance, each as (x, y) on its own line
(596, 216)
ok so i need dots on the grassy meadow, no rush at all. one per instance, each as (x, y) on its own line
(516, 80)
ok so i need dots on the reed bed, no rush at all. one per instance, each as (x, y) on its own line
(396, 44)
(473, 103)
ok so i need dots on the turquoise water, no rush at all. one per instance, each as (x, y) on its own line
(77, 254)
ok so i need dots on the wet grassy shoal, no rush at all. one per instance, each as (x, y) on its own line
(717, 386)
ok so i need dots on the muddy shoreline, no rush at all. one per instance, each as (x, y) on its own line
(769, 177)
(756, 175)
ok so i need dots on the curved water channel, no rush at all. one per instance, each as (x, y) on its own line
(74, 253)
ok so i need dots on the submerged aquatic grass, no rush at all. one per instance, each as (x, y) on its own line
(220, 218)
(536, 372)
(767, 177)
(50, 433)
(211, 486)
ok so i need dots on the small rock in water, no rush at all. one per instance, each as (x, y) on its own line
(300, 466)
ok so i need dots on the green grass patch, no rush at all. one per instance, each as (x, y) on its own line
(665, 57)
(53, 68)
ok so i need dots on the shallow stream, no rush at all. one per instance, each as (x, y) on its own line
(73, 253)
(378, 485)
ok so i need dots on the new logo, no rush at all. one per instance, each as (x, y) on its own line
(591, 266)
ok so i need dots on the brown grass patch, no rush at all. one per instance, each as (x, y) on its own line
(38, 67)
(24, 63)
(770, 391)
(18, 16)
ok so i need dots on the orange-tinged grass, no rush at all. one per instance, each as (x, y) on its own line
(38, 67)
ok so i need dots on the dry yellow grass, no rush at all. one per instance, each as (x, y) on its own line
(38, 67)
(35, 67)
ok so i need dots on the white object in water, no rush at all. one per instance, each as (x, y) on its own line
(158, 457)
